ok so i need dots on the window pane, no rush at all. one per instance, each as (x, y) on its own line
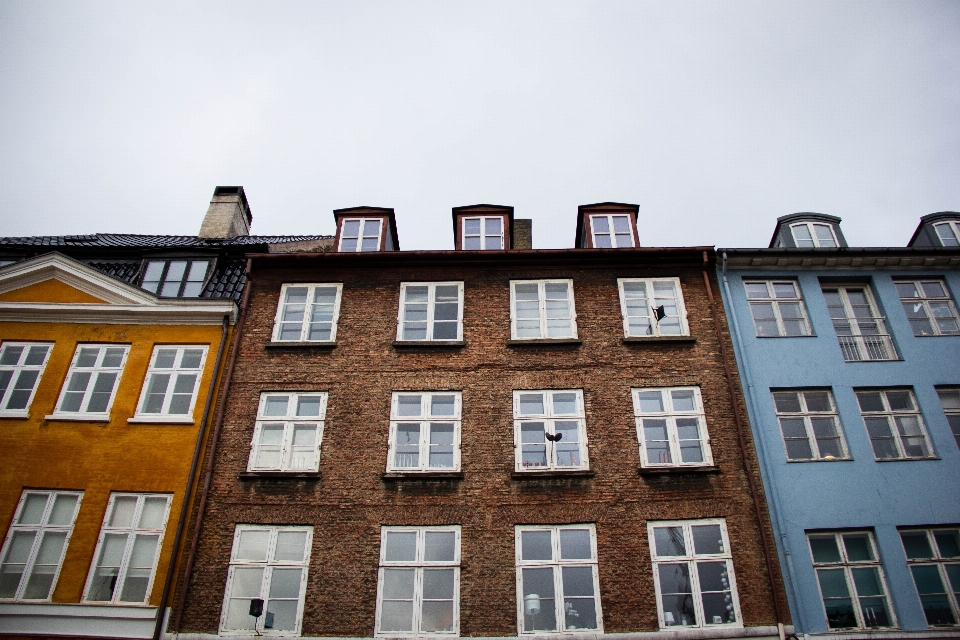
(291, 546)
(281, 615)
(531, 404)
(408, 405)
(153, 512)
(825, 549)
(33, 508)
(669, 541)
(275, 406)
(948, 543)
(650, 401)
(916, 544)
(439, 546)
(285, 583)
(756, 290)
(309, 406)
(575, 545)
(858, 547)
(539, 608)
(707, 539)
(676, 594)
(123, 510)
(401, 546)
(536, 545)
(564, 403)
(252, 545)
(63, 509)
(438, 584)
(437, 615)
(683, 400)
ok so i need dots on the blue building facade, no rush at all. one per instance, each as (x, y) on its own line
(850, 363)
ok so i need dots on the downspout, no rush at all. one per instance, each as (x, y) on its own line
(774, 497)
(777, 606)
(214, 438)
(185, 507)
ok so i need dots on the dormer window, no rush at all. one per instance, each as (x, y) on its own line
(611, 231)
(607, 225)
(482, 233)
(949, 233)
(360, 234)
(807, 235)
(175, 278)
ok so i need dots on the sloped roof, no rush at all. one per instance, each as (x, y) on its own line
(136, 241)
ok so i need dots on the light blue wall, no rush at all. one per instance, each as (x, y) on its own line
(859, 493)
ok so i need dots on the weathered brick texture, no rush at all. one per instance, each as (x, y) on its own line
(350, 502)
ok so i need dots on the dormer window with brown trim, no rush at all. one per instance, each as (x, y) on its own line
(360, 234)
(365, 229)
(607, 225)
(482, 233)
(611, 231)
(483, 227)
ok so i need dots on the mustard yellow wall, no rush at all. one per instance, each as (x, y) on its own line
(49, 291)
(100, 458)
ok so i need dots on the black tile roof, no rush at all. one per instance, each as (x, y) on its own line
(120, 255)
(135, 241)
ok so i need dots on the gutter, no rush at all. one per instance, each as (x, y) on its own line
(767, 556)
(214, 438)
(185, 507)
(774, 499)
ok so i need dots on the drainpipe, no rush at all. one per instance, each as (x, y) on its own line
(214, 438)
(767, 555)
(774, 498)
(185, 507)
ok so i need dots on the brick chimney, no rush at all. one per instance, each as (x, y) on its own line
(522, 233)
(228, 216)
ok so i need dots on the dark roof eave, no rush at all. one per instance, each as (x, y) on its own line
(836, 252)
(645, 256)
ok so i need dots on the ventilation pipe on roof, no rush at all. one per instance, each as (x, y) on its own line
(228, 215)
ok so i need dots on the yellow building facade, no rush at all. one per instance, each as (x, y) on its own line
(106, 392)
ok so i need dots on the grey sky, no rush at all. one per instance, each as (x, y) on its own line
(714, 117)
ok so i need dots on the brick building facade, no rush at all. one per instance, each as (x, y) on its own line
(459, 408)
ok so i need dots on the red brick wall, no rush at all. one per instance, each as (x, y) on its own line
(350, 502)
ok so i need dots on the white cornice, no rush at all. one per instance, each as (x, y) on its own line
(125, 304)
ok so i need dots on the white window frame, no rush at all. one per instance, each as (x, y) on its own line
(671, 415)
(543, 317)
(939, 562)
(652, 301)
(431, 310)
(290, 421)
(426, 420)
(847, 566)
(268, 564)
(811, 229)
(691, 558)
(183, 281)
(17, 372)
(923, 301)
(549, 419)
(557, 563)
(307, 312)
(483, 235)
(611, 232)
(774, 301)
(40, 530)
(890, 415)
(361, 237)
(175, 372)
(807, 415)
(96, 371)
(950, 402)
(954, 228)
(861, 338)
(132, 532)
(418, 565)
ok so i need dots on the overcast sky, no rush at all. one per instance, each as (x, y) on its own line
(715, 117)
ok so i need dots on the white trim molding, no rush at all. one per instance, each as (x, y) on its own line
(123, 303)
(55, 619)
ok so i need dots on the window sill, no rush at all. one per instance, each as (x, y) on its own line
(809, 460)
(300, 345)
(161, 420)
(517, 342)
(279, 475)
(15, 414)
(79, 417)
(428, 343)
(552, 473)
(907, 459)
(678, 339)
(407, 476)
(812, 335)
(668, 471)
